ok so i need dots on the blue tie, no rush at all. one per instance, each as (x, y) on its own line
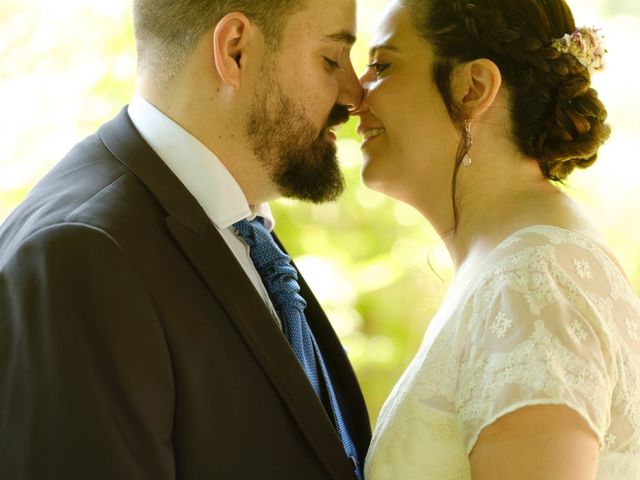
(281, 282)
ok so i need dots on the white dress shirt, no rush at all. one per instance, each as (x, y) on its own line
(206, 178)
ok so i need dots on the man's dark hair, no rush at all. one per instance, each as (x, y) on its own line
(167, 31)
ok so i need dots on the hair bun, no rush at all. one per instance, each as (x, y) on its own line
(576, 127)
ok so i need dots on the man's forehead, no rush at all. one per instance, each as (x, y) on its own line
(343, 36)
(328, 20)
(332, 7)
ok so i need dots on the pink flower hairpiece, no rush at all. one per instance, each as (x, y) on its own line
(586, 44)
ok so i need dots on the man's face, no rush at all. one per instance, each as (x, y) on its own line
(307, 86)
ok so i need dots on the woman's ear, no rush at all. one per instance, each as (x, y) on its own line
(230, 39)
(477, 84)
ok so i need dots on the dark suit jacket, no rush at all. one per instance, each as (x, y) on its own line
(133, 345)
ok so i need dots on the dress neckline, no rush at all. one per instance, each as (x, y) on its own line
(541, 228)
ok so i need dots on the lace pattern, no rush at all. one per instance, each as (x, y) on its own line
(548, 319)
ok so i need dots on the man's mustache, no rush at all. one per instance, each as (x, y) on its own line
(339, 114)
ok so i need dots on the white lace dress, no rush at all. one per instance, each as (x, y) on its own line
(547, 319)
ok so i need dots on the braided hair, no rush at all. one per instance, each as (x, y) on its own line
(556, 117)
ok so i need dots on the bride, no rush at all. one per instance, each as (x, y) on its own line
(474, 113)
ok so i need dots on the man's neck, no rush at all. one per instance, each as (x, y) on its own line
(207, 119)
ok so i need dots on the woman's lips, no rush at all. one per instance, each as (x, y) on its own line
(370, 133)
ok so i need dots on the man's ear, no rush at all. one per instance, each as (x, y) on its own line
(230, 39)
(477, 84)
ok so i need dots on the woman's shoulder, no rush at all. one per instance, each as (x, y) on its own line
(553, 238)
(552, 319)
(581, 256)
(544, 270)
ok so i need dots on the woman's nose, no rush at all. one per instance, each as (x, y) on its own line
(364, 83)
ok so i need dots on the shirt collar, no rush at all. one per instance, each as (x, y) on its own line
(197, 167)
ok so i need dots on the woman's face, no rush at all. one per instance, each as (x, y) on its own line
(409, 141)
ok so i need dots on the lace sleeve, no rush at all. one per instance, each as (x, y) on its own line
(539, 334)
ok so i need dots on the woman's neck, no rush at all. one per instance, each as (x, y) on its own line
(494, 202)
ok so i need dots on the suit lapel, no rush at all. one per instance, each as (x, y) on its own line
(341, 371)
(343, 377)
(254, 323)
(225, 278)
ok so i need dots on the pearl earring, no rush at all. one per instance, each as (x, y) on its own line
(467, 142)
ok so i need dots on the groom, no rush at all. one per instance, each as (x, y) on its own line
(142, 333)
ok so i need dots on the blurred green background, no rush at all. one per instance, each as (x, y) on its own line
(376, 265)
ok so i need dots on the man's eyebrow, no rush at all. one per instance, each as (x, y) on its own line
(384, 46)
(344, 36)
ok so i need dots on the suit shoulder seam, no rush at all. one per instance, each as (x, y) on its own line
(88, 199)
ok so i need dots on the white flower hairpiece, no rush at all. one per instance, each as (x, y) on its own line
(586, 44)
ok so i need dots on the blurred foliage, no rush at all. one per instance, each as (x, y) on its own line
(377, 267)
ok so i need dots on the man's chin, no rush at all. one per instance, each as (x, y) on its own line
(316, 187)
(316, 196)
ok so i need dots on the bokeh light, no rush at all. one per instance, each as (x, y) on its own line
(377, 267)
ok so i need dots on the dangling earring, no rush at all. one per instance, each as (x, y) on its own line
(467, 142)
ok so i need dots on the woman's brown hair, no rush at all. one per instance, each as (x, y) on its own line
(556, 117)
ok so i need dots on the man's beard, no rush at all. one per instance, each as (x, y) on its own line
(302, 164)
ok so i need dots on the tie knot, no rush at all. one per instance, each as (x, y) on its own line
(273, 265)
(263, 249)
(251, 231)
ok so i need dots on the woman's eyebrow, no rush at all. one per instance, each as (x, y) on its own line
(385, 46)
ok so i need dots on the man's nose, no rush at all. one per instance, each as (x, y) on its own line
(351, 92)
